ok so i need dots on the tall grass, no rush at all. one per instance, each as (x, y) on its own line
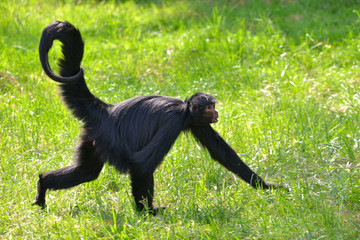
(286, 74)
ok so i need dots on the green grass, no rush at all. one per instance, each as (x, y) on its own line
(286, 74)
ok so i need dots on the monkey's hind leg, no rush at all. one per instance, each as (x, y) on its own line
(87, 168)
(143, 192)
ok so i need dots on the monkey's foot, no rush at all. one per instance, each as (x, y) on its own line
(41, 204)
(155, 210)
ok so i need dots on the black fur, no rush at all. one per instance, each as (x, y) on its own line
(134, 135)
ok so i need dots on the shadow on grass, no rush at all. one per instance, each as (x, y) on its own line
(323, 20)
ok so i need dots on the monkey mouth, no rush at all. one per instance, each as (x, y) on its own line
(214, 120)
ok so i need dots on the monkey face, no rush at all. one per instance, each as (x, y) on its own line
(204, 115)
(211, 114)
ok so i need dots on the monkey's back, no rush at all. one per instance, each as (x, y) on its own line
(142, 131)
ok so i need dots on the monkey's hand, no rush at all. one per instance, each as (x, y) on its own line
(271, 185)
(259, 183)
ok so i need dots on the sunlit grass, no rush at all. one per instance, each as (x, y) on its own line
(286, 74)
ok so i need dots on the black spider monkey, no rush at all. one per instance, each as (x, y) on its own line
(134, 135)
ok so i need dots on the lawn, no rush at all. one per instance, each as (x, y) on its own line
(287, 77)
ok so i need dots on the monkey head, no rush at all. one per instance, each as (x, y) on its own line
(202, 109)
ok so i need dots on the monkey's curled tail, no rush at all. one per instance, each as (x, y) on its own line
(77, 96)
(72, 49)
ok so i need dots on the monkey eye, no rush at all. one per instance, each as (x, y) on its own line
(211, 106)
